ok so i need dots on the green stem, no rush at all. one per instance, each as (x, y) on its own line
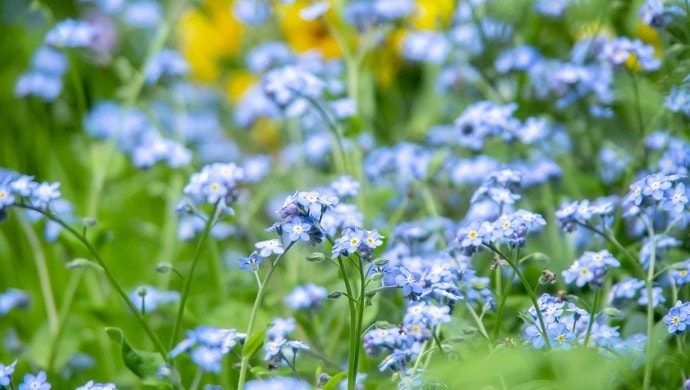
(351, 368)
(592, 313)
(360, 317)
(650, 306)
(197, 379)
(530, 292)
(108, 274)
(188, 282)
(43, 276)
(480, 326)
(255, 310)
(67, 300)
(633, 260)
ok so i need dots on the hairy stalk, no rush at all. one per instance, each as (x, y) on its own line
(108, 274)
(188, 282)
(244, 365)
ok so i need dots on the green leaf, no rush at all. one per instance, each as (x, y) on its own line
(83, 264)
(144, 364)
(335, 379)
(253, 344)
(260, 371)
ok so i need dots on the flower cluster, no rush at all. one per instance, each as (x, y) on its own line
(590, 269)
(362, 242)
(23, 188)
(568, 325)
(510, 229)
(277, 348)
(215, 184)
(135, 135)
(403, 343)
(302, 214)
(207, 345)
(49, 63)
(572, 214)
(656, 190)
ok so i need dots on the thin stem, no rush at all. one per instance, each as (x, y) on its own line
(650, 306)
(188, 282)
(612, 240)
(291, 364)
(480, 325)
(67, 300)
(197, 379)
(354, 338)
(255, 310)
(360, 317)
(43, 276)
(530, 292)
(108, 274)
(592, 314)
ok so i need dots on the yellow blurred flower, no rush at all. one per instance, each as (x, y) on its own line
(649, 36)
(432, 14)
(239, 82)
(207, 35)
(304, 35)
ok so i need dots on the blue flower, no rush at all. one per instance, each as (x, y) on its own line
(71, 33)
(517, 58)
(345, 186)
(207, 345)
(207, 358)
(677, 319)
(426, 46)
(553, 8)
(313, 11)
(6, 372)
(24, 185)
(280, 327)
(309, 296)
(91, 385)
(269, 247)
(678, 100)
(251, 263)
(471, 238)
(148, 298)
(34, 382)
(6, 194)
(676, 199)
(13, 298)
(657, 297)
(48, 61)
(559, 336)
(297, 230)
(251, 12)
(42, 85)
(411, 283)
(144, 14)
(167, 63)
(278, 383)
(273, 348)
